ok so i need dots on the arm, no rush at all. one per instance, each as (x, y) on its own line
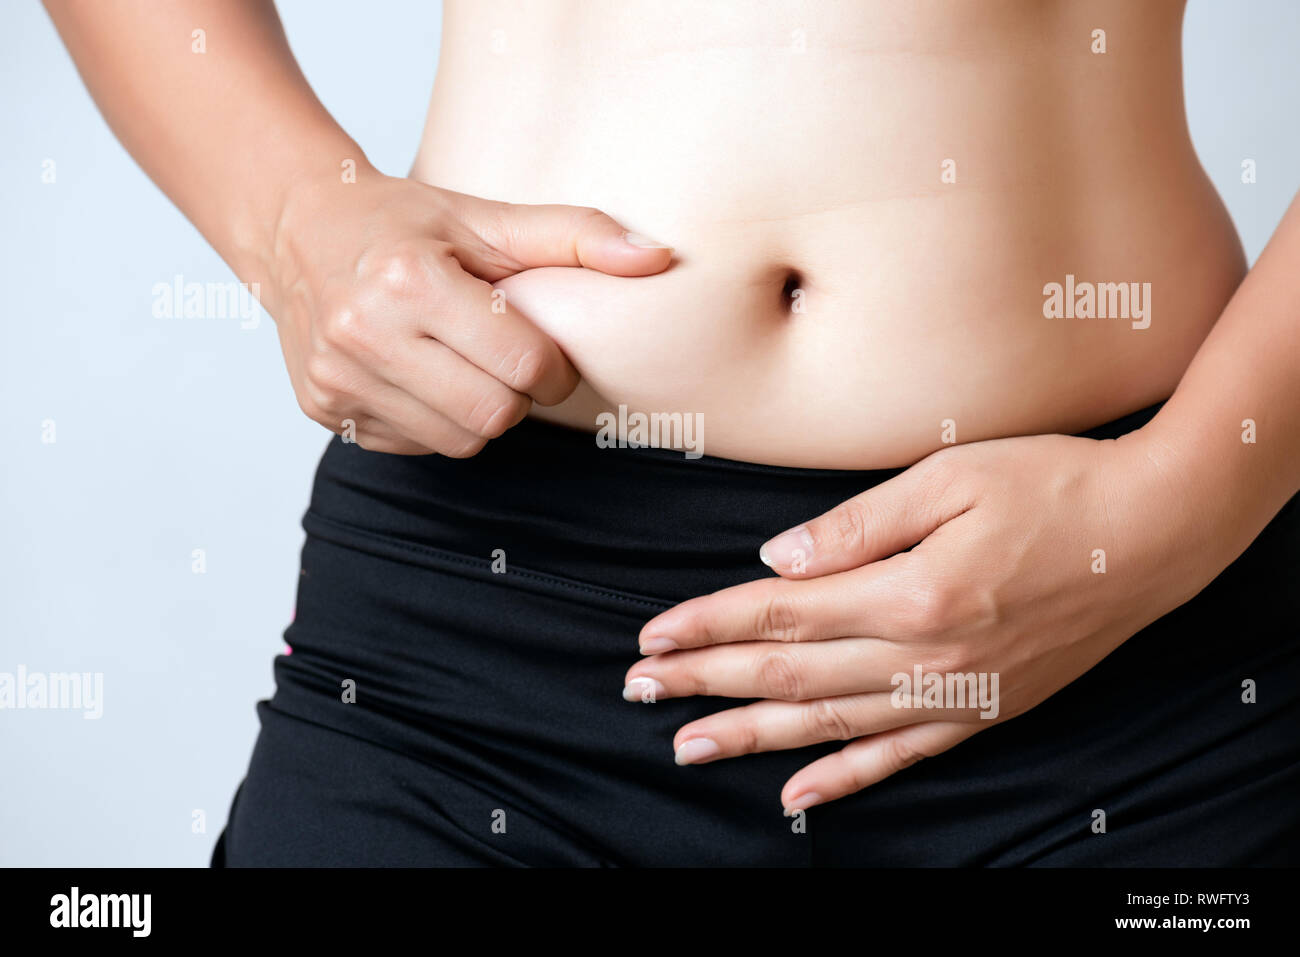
(380, 286)
(225, 133)
(1247, 368)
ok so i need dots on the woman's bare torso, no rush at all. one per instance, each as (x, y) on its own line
(867, 201)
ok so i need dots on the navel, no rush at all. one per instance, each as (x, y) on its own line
(792, 291)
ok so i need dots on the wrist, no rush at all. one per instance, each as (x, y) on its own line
(1186, 484)
(276, 245)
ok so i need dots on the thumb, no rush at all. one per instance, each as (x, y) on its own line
(514, 237)
(880, 522)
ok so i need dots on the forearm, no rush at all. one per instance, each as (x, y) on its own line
(1248, 368)
(224, 133)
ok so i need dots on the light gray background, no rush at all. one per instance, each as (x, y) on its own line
(176, 434)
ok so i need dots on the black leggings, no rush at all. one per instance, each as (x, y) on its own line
(488, 725)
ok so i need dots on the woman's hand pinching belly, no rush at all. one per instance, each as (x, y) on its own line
(1034, 558)
(392, 333)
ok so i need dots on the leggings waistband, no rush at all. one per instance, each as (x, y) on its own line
(649, 523)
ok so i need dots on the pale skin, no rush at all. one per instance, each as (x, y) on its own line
(382, 293)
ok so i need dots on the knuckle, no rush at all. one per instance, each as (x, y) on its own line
(711, 629)
(507, 225)
(523, 369)
(779, 675)
(746, 738)
(956, 657)
(850, 523)
(464, 448)
(494, 413)
(344, 327)
(826, 722)
(941, 469)
(901, 753)
(329, 410)
(930, 609)
(327, 380)
(777, 620)
(988, 606)
(585, 216)
(399, 269)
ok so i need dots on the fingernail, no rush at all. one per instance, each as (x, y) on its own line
(786, 547)
(697, 749)
(646, 690)
(803, 802)
(657, 646)
(643, 242)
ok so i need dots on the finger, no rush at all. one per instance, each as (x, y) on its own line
(765, 669)
(416, 422)
(512, 237)
(863, 601)
(392, 447)
(373, 435)
(444, 381)
(870, 760)
(473, 319)
(781, 725)
(390, 443)
(882, 521)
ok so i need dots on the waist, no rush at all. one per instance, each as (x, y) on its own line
(548, 501)
(809, 365)
(863, 333)
(868, 202)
